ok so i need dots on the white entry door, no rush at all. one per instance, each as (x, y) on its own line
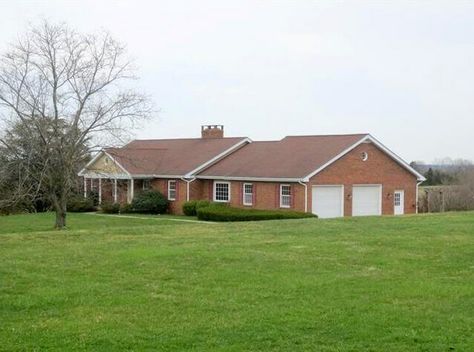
(366, 200)
(328, 201)
(399, 202)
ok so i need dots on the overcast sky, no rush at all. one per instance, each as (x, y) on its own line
(402, 71)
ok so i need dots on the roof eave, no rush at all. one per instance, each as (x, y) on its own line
(250, 178)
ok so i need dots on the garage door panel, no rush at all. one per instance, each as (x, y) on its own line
(328, 201)
(366, 200)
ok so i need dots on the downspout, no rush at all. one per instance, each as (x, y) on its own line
(305, 185)
(416, 200)
(187, 186)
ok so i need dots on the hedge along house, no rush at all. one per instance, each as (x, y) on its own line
(331, 176)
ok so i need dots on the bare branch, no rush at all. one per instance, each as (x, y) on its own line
(61, 93)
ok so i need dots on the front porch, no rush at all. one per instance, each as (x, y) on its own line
(113, 188)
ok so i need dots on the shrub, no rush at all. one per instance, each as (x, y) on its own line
(190, 208)
(150, 202)
(126, 208)
(78, 204)
(94, 196)
(110, 208)
(226, 213)
(204, 203)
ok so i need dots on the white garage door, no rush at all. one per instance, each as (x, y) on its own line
(366, 200)
(328, 201)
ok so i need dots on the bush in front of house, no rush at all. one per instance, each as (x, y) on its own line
(226, 213)
(110, 208)
(190, 208)
(150, 202)
(94, 196)
(126, 208)
(79, 204)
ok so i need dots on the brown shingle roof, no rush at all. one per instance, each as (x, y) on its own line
(169, 156)
(291, 157)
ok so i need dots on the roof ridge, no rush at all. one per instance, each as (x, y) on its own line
(182, 139)
(328, 135)
(141, 148)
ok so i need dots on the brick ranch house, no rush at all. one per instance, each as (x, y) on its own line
(329, 175)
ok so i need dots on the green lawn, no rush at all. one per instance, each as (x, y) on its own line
(361, 284)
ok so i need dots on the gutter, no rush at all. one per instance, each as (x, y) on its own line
(187, 186)
(305, 185)
(417, 184)
(256, 179)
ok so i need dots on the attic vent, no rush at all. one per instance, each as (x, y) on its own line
(212, 131)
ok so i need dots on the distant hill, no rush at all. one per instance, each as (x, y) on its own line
(449, 168)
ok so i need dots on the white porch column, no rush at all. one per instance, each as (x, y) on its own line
(100, 190)
(85, 187)
(115, 190)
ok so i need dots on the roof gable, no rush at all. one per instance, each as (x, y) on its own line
(293, 157)
(171, 157)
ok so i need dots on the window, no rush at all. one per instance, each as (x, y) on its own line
(221, 191)
(171, 190)
(247, 194)
(364, 156)
(397, 199)
(146, 184)
(285, 196)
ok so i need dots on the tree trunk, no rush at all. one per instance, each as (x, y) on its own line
(60, 216)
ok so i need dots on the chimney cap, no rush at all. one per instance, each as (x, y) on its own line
(212, 131)
(209, 127)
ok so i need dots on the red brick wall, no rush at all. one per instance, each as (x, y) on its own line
(379, 168)
(107, 190)
(266, 194)
(176, 206)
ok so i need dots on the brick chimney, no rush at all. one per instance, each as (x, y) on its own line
(212, 131)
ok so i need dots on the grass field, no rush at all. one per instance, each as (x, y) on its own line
(360, 284)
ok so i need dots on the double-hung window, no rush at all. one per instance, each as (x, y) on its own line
(146, 184)
(285, 196)
(221, 191)
(171, 190)
(247, 193)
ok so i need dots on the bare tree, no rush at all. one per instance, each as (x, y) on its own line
(60, 95)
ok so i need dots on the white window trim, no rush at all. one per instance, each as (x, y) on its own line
(175, 186)
(243, 193)
(214, 192)
(291, 195)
